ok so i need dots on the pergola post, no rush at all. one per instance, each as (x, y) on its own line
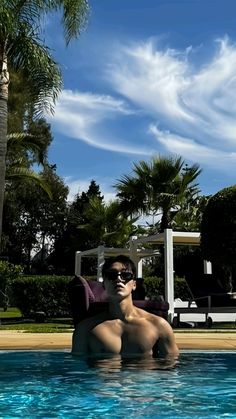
(169, 272)
(78, 257)
(140, 269)
(207, 267)
(101, 260)
(135, 258)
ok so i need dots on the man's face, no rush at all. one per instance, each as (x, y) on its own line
(118, 280)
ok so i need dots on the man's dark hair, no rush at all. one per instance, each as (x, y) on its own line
(125, 260)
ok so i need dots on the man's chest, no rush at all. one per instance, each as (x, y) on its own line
(111, 337)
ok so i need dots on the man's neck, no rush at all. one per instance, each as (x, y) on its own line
(122, 310)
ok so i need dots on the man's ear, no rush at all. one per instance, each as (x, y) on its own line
(134, 284)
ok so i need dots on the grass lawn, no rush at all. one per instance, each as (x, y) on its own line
(47, 327)
(57, 327)
(216, 326)
(11, 312)
(218, 329)
(16, 322)
(65, 325)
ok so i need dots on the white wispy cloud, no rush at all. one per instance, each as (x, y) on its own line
(195, 103)
(152, 78)
(188, 148)
(188, 107)
(85, 116)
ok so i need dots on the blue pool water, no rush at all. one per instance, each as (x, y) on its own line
(38, 384)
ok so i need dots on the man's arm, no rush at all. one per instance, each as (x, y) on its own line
(165, 346)
(80, 340)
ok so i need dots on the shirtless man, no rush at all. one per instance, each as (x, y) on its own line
(124, 329)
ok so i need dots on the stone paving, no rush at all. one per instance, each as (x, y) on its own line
(185, 340)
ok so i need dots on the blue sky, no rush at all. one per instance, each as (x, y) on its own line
(147, 77)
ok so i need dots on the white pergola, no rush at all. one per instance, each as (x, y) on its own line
(168, 239)
(102, 252)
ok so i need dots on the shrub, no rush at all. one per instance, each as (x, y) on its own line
(155, 287)
(8, 272)
(49, 294)
(218, 233)
(46, 294)
(182, 290)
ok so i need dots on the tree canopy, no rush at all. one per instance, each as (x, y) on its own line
(22, 51)
(218, 232)
(157, 187)
(31, 218)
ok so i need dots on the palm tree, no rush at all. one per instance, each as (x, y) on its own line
(22, 144)
(106, 224)
(21, 47)
(23, 150)
(157, 186)
(190, 215)
(19, 173)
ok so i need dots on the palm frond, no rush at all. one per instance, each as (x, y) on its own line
(161, 184)
(74, 15)
(26, 51)
(22, 141)
(27, 11)
(19, 173)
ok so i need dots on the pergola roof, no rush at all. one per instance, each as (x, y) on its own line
(112, 251)
(179, 238)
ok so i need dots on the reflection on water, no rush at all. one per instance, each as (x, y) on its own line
(118, 363)
(59, 385)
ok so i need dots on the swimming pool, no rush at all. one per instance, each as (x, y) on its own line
(42, 384)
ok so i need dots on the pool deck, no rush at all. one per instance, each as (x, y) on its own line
(185, 340)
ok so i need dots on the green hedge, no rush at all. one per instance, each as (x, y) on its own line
(8, 272)
(182, 290)
(155, 287)
(49, 294)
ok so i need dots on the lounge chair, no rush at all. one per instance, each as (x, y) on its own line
(88, 298)
(210, 297)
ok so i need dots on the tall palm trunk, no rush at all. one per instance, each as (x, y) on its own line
(4, 81)
(165, 222)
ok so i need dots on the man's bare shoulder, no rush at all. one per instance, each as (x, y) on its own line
(165, 345)
(91, 322)
(153, 318)
(159, 323)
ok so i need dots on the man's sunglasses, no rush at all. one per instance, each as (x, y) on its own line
(112, 275)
